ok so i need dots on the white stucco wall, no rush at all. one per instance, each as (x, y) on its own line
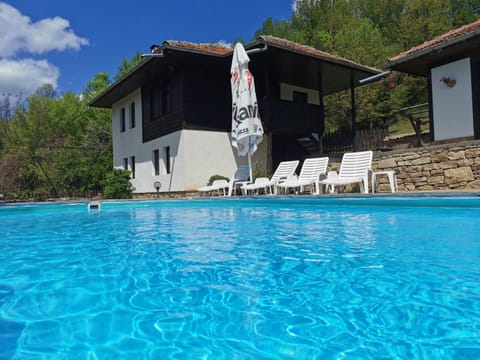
(194, 155)
(208, 153)
(129, 143)
(452, 107)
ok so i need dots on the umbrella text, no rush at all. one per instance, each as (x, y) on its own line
(245, 112)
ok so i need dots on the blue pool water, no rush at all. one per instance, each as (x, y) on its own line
(297, 278)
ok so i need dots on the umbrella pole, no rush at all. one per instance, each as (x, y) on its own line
(250, 167)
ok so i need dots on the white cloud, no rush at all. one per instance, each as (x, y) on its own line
(294, 5)
(224, 43)
(24, 77)
(18, 32)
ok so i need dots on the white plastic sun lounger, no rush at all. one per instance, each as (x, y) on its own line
(285, 170)
(355, 168)
(221, 186)
(312, 170)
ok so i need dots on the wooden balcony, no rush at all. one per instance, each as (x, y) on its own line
(279, 114)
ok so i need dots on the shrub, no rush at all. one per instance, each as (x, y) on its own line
(259, 171)
(117, 185)
(216, 177)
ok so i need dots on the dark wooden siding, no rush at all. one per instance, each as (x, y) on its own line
(154, 127)
(207, 99)
(287, 115)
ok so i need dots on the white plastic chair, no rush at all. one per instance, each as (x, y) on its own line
(312, 170)
(284, 170)
(355, 168)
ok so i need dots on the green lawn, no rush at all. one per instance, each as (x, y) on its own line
(403, 126)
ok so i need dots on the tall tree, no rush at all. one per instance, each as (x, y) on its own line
(127, 65)
(100, 82)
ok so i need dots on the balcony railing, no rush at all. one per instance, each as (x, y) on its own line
(282, 114)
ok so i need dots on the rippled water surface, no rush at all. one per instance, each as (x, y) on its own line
(242, 279)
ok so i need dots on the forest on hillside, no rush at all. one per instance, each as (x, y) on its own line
(54, 145)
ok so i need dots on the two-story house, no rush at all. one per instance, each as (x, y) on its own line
(171, 114)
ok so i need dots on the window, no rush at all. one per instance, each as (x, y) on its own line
(166, 159)
(155, 104)
(125, 163)
(132, 115)
(132, 166)
(166, 99)
(300, 97)
(160, 101)
(156, 162)
(122, 120)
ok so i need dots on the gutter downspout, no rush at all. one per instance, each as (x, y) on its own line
(373, 78)
(157, 54)
(257, 50)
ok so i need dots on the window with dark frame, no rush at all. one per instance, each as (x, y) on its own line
(122, 120)
(300, 97)
(132, 115)
(125, 163)
(166, 98)
(166, 154)
(156, 162)
(161, 101)
(132, 166)
(155, 104)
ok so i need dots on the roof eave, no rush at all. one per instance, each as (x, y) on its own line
(118, 83)
(430, 50)
(333, 59)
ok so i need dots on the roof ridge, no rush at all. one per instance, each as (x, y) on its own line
(184, 42)
(209, 48)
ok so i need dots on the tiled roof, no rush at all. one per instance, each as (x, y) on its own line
(309, 51)
(212, 49)
(224, 50)
(453, 36)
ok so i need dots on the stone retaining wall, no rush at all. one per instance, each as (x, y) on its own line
(435, 167)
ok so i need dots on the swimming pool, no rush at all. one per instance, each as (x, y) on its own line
(269, 278)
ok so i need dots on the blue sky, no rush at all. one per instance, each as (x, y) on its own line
(67, 42)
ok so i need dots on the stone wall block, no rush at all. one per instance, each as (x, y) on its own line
(425, 188)
(474, 185)
(456, 155)
(414, 169)
(422, 161)
(449, 165)
(419, 176)
(472, 153)
(386, 164)
(410, 156)
(440, 155)
(458, 175)
(436, 180)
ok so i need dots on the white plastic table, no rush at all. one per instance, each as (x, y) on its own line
(392, 179)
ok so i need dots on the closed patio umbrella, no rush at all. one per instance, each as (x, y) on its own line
(247, 129)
